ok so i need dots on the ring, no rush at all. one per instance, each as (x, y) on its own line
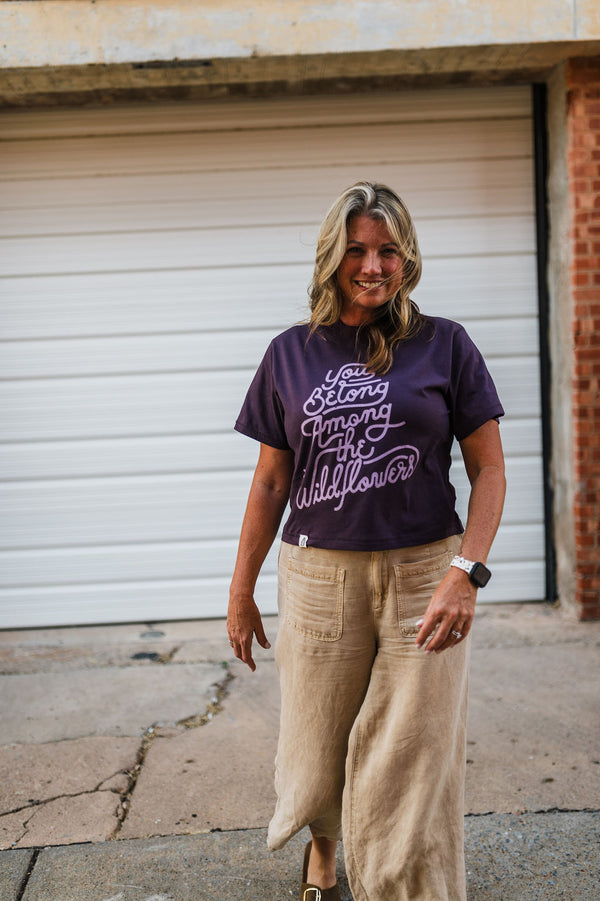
(457, 634)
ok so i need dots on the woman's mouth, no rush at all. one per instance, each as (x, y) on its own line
(369, 285)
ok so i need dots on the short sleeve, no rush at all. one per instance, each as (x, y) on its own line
(262, 415)
(473, 397)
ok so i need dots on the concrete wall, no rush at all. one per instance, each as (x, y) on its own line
(561, 341)
(83, 32)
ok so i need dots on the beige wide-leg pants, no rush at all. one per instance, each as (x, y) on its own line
(372, 735)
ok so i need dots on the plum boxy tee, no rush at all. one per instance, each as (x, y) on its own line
(371, 452)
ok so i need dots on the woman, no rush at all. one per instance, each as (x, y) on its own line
(356, 412)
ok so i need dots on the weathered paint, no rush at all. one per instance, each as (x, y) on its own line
(78, 32)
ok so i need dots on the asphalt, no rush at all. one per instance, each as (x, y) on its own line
(136, 763)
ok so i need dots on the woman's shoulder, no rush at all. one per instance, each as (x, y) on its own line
(294, 333)
(447, 338)
(441, 325)
(288, 340)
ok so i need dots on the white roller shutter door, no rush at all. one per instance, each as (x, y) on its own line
(149, 253)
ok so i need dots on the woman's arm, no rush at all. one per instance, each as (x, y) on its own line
(452, 606)
(268, 496)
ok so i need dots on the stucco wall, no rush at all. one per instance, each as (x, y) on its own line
(79, 32)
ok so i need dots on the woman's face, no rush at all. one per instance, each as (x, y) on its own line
(371, 270)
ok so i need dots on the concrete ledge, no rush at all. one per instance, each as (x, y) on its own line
(203, 78)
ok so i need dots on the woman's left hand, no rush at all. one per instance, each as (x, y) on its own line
(449, 614)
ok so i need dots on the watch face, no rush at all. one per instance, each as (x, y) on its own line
(480, 575)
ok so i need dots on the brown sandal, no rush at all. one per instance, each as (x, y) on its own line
(309, 892)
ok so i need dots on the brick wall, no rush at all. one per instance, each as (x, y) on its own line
(583, 133)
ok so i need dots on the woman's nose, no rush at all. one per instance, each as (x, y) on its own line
(372, 262)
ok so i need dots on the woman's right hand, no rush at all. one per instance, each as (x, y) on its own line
(243, 623)
(268, 496)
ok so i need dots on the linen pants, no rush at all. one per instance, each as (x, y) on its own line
(372, 731)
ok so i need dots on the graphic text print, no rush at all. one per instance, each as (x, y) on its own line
(348, 422)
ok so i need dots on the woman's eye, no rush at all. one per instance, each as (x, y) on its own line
(354, 251)
(390, 251)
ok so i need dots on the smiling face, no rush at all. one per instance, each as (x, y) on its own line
(371, 270)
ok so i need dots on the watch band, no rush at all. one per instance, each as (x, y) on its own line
(462, 563)
(477, 572)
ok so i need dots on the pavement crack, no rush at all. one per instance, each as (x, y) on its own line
(214, 707)
(156, 656)
(27, 876)
(35, 805)
(168, 656)
(133, 775)
(153, 732)
(564, 810)
(119, 772)
(532, 812)
(25, 829)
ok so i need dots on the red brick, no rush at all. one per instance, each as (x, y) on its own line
(581, 279)
(587, 262)
(582, 168)
(583, 160)
(583, 294)
(589, 614)
(581, 311)
(583, 248)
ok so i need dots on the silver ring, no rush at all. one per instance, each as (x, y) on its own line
(457, 634)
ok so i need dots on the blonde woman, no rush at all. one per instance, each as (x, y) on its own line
(356, 412)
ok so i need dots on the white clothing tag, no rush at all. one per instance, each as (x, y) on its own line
(303, 541)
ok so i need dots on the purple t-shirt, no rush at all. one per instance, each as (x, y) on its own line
(371, 452)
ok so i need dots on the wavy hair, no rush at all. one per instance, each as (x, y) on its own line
(398, 319)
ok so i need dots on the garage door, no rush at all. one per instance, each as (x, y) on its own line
(149, 253)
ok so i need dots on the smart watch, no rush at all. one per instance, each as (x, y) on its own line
(478, 573)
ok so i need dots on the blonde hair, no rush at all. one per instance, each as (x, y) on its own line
(400, 318)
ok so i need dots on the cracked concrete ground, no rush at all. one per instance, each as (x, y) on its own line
(79, 710)
(151, 743)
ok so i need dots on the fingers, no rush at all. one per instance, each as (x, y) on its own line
(449, 614)
(261, 637)
(243, 623)
(241, 643)
(246, 655)
(456, 634)
(440, 635)
(242, 648)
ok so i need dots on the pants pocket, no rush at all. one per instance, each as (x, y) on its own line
(415, 585)
(314, 603)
